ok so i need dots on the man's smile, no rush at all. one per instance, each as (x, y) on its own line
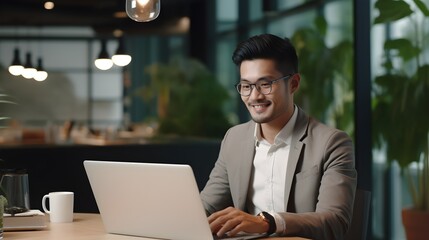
(260, 106)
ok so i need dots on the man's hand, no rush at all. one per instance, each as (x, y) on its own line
(231, 221)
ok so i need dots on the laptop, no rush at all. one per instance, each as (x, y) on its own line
(149, 200)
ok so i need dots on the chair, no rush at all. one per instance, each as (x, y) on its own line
(359, 224)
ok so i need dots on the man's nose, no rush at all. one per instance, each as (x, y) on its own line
(255, 94)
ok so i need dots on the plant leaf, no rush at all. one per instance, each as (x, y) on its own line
(422, 6)
(406, 49)
(321, 24)
(5, 101)
(391, 10)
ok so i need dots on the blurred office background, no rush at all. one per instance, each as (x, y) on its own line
(339, 45)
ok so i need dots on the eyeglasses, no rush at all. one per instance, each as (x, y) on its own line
(264, 87)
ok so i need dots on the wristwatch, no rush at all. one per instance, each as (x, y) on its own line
(270, 220)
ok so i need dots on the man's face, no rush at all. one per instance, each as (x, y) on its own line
(275, 107)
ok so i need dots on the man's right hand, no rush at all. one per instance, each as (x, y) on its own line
(231, 221)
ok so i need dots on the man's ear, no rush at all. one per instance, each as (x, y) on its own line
(294, 82)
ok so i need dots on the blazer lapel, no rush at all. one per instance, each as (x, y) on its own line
(298, 134)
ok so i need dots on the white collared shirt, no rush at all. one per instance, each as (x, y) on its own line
(267, 185)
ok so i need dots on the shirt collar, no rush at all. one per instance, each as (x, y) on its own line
(285, 134)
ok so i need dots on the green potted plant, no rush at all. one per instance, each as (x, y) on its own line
(189, 99)
(401, 103)
(4, 98)
(326, 91)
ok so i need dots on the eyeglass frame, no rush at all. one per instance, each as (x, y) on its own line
(255, 85)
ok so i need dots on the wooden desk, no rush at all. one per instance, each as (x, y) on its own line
(85, 226)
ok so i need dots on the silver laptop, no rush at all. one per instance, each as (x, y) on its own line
(149, 200)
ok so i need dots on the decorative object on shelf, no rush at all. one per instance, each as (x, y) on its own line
(103, 62)
(401, 96)
(143, 10)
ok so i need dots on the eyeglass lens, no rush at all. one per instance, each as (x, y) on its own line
(246, 88)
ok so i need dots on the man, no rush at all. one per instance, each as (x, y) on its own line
(282, 173)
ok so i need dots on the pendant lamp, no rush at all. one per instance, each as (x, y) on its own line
(103, 62)
(16, 67)
(121, 58)
(29, 71)
(143, 10)
(41, 74)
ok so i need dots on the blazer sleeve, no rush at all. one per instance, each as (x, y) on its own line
(228, 181)
(216, 194)
(328, 177)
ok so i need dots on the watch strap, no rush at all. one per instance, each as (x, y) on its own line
(270, 220)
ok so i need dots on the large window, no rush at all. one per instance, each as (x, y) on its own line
(74, 91)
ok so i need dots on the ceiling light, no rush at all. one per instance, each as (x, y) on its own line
(120, 14)
(29, 70)
(16, 67)
(121, 58)
(41, 74)
(118, 33)
(143, 10)
(103, 62)
(49, 5)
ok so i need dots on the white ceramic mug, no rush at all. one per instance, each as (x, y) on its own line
(60, 206)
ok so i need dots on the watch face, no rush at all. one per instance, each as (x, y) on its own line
(262, 215)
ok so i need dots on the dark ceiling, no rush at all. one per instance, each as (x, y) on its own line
(98, 14)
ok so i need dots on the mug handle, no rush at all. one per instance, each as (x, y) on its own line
(44, 204)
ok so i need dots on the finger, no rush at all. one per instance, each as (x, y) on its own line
(234, 231)
(223, 221)
(220, 213)
(230, 227)
(213, 217)
(215, 227)
(217, 222)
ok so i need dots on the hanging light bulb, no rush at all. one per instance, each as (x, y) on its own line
(41, 74)
(16, 67)
(143, 10)
(29, 71)
(121, 58)
(103, 62)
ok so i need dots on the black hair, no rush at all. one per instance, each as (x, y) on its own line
(267, 46)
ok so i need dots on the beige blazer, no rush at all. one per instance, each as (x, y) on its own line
(320, 180)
